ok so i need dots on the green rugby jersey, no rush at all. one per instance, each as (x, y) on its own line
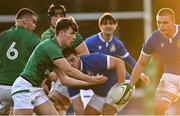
(49, 34)
(41, 60)
(16, 46)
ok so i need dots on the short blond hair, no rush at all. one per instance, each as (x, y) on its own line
(166, 12)
(25, 12)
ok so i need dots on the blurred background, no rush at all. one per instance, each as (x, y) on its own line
(136, 20)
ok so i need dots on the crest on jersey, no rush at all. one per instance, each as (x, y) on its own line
(178, 44)
(100, 47)
(113, 48)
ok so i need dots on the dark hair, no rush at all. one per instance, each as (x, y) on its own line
(166, 12)
(65, 23)
(25, 12)
(105, 17)
(56, 9)
(67, 52)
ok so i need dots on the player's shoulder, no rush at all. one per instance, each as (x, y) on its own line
(117, 41)
(47, 31)
(92, 37)
(47, 34)
(22, 32)
(48, 43)
(31, 37)
(7, 32)
(96, 56)
(155, 35)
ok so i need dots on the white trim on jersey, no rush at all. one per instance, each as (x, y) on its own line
(125, 55)
(85, 45)
(176, 31)
(142, 52)
(108, 62)
(101, 38)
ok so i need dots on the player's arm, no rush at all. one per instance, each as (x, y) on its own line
(119, 66)
(139, 68)
(63, 65)
(71, 82)
(82, 49)
(79, 45)
(131, 61)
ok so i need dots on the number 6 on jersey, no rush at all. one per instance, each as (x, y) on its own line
(12, 53)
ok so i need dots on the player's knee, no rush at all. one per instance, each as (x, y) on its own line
(60, 102)
(161, 104)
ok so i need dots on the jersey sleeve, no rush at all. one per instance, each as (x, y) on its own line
(148, 46)
(124, 54)
(122, 51)
(54, 52)
(90, 43)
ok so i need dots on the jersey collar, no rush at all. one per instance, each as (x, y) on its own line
(101, 38)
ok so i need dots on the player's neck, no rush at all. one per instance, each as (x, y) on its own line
(106, 37)
(172, 32)
(52, 28)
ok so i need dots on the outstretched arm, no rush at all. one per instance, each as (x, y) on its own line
(63, 66)
(71, 82)
(131, 62)
(139, 68)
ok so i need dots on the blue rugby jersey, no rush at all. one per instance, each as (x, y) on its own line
(93, 64)
(167, 49)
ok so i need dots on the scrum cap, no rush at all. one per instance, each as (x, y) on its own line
(56, 9)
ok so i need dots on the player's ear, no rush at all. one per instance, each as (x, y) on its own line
(61, 33)
(116, 25)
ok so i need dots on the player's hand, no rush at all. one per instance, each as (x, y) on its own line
(53, 76)
(45, 87)
(99, 79)
(145, 79)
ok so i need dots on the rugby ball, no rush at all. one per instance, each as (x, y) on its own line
(122, 93)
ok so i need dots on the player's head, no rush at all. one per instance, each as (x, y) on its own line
(107, 23)
(72, 57)
(165, 20)
(55, 12)
(66, 29)
(26, 18)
